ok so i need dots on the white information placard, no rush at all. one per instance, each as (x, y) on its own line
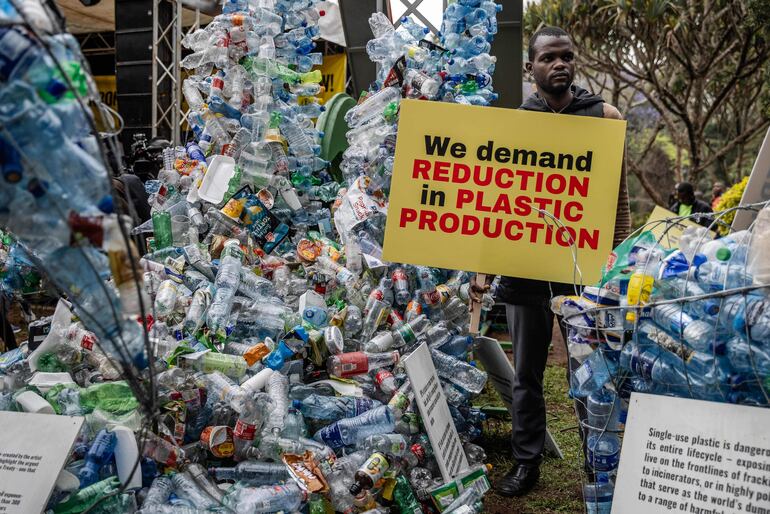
(436, 418)
(758, 187)
(33, 450)
(692, 456)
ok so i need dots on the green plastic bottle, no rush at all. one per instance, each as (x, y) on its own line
(87, 497)
(404, 497)
(260, 65)
(161, 227)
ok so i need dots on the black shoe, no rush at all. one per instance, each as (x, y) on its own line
(519, 481)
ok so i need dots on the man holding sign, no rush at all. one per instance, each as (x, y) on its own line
(530, 320)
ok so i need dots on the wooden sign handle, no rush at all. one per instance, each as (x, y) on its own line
(481, 278)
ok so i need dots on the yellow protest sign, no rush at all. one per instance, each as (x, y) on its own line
(334, 73)
(468, 182)
(108, 89)
(666, 230)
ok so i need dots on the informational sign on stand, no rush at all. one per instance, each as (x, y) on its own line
(758, 187)
(682, 455)
(434, 410)
(665, 231)
(471, 186)
(33, 450)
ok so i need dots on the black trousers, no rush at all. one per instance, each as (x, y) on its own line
(6, 330)
(530, 328)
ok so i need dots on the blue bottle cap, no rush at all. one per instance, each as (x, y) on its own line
(296, 404)
(107, 205)
(56, 88)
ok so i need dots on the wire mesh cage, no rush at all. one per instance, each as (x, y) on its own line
(678, 312)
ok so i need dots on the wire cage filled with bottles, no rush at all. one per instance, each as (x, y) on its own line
(679, 311)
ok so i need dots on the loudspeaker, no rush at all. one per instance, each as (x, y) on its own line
(355, 25)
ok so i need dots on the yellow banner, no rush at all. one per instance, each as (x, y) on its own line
(666, 230)
(468, 183)
(334, 73)
(108, 89)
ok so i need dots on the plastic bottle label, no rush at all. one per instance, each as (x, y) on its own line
(382, 375)
(642, 363)
(331, 435)
(361, 405)
(400, 401)
(432, 297)
(407, 334)
(354, 363)
(584, 373)
(603, 462)
(375, 466)
(244, 431)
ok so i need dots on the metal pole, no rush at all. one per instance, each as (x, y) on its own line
(176, 99)
(507, 47)
(155, 23)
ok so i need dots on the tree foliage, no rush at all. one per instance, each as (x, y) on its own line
(701, 66)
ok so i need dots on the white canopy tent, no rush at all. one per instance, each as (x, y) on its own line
(101, 18)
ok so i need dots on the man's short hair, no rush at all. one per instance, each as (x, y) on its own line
(545, 31)
(685, 188)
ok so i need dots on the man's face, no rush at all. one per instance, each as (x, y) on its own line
(685, 197)
(553, 65)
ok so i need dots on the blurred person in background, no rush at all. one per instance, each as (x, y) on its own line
(686, 204)
(717, 190)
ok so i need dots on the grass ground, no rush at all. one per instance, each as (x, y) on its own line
(559, 490)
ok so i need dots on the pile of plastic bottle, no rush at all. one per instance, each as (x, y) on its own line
(271, 375)
(690, 322)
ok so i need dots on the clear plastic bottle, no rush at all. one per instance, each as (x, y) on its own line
(458, 372)
(185, 487)
(701, 335)
(351, 430)
(598, 497)
(390, 444)
(159, 492)
(593, 373)
(330, 408)
(359, 363)
(757, 261)
(278, 391)
(222, 388)
(385, 381)
(227, 281)
(253, 473)
(252, 416)
(196, 313)
(288, 498)
(165, 300)
(373, 106)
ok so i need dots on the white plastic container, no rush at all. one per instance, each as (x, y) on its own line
(34, 403)
(759, 250)
(126, 455)
(217, 179)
